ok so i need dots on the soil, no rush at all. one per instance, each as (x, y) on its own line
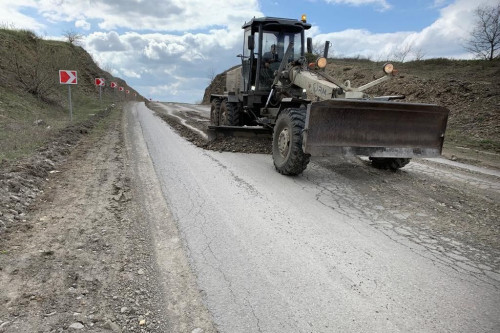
(469, 89)
(76, 250)
(217, 141)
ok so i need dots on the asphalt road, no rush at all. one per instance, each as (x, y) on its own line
(307, 254)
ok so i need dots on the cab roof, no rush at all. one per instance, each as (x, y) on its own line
(273, 23)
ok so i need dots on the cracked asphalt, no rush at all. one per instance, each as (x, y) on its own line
(341, 248)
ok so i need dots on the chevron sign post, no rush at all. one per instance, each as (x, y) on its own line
(68, 77)
(113, 86)
(101, 83)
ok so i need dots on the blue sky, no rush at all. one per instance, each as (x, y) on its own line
(167, 50)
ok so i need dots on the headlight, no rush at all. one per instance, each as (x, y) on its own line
(388, 68)
(321, 62)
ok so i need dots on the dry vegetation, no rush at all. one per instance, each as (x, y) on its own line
(33, 105)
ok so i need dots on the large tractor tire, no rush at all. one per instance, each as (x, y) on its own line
(229, 114)
(389, 163)
(288, 156)
(215, 112)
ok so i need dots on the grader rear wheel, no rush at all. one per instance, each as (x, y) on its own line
(214, 112)
(229, 114)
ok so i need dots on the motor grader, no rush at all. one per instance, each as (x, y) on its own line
(271, 88)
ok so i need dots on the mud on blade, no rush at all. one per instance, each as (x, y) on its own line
(374, 128)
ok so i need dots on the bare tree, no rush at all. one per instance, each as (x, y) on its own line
(419, 54)
(402, 52)
(35, 66)
(318, 49)
(211, 75)
(484, 40)
(73, 37)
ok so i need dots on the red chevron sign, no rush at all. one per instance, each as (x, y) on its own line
(67, 76)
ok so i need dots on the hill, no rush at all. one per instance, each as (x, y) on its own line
(469, 88)
(33, 105)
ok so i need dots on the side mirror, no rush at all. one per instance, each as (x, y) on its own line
(251, 42)
(309, 45)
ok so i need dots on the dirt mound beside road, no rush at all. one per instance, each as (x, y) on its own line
(252, 145)
(469, 88)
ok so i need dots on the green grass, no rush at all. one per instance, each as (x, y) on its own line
(458, 138)
(20, 136)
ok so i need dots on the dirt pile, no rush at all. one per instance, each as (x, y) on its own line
(217, 86)
(216, 141)
(469, 88)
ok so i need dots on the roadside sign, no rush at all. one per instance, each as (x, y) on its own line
(128, 91)
(113, 85)
(99, 81)
(121, 88)
(67, 76)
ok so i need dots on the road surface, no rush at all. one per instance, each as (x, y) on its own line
(341, 248)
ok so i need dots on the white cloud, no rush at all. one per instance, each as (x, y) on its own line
(82, 24)
(181, 60)
(443, 38)
(130, 73)
(11, 16)
(382, 4)
(173, 15)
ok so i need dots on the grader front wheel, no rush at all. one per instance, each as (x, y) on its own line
(288, 156)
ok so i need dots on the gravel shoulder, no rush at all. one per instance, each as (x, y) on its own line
(79, 254)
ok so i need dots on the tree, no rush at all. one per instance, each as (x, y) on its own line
(419, 54)
(35, 65)
(402, 52)
(73, 37)
(484, 40)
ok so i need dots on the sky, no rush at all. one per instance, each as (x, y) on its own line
(168, 50)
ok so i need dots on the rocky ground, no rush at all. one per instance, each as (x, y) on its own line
(74, 253)
(251, 144)
(76, 250)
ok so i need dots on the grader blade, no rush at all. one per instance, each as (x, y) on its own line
(374, 128)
